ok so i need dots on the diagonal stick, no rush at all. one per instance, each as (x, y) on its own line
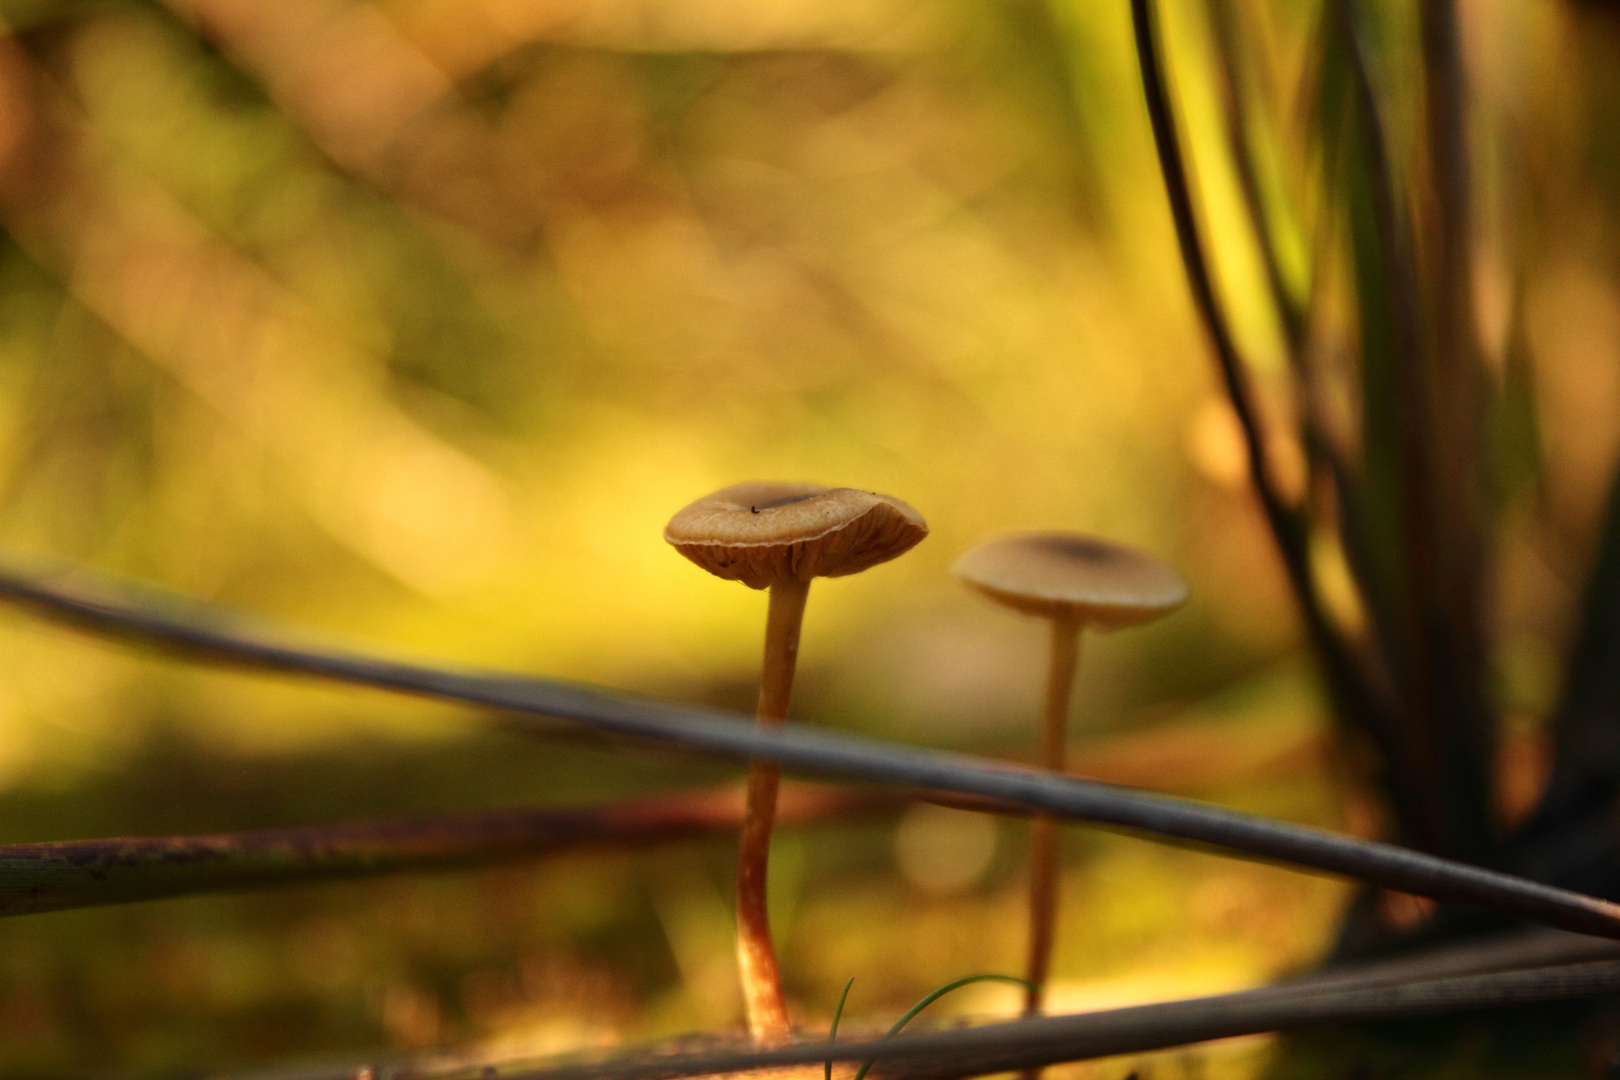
(212, 634)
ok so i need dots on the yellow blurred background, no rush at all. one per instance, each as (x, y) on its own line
(410, 323)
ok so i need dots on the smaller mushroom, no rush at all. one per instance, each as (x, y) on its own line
(1075, 581)
(778, 537)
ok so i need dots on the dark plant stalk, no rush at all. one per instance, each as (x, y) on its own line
(1403, 295)
(92, 873)
(1234, 374)
(1352, 688)
(1051, 1040)
(1448, 727)
(1424, 820)
(1395, 451)
(1353, 502)
(1586, 764)
(1322, 449)
(849, 757)
(1465, 718)
(1291, 314)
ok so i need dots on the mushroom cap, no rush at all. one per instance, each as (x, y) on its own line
(1060, 573)
(761, 533)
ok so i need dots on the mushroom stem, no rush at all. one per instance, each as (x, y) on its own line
(1064, 659)
(762, 987)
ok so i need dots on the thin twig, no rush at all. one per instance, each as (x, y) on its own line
(209, 634)
(92, 873)
(1052, 1040)
(1532, 948)
(1352, 687)
(1517, 952)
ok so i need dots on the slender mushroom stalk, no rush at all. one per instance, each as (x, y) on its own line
(1063, 660)
(1075, 581)
(756, 958)
(778, 537)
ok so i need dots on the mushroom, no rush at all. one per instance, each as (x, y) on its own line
(1075, 581)
(778, 536)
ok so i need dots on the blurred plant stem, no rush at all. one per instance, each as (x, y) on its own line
(90, 873)
(1433, 644)
(1413, 513)
(1361, 696)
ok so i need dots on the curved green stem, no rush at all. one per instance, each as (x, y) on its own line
(838, 1014)
(929, 999)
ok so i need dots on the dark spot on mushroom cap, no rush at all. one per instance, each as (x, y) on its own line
(1080, 547)
(1074, 576)
(785, 500)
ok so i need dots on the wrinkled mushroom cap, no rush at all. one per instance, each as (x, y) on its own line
(762, 533)
(1057, 573)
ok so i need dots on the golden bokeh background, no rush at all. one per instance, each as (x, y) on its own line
(408, 324)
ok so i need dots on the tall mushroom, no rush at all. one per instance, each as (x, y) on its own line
(778, 536)
(1075, 581)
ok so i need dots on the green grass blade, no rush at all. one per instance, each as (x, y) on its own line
(838, 1014)
(929, 999)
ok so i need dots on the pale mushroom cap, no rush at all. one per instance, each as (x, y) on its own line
(761, 533)
(1058, 573)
